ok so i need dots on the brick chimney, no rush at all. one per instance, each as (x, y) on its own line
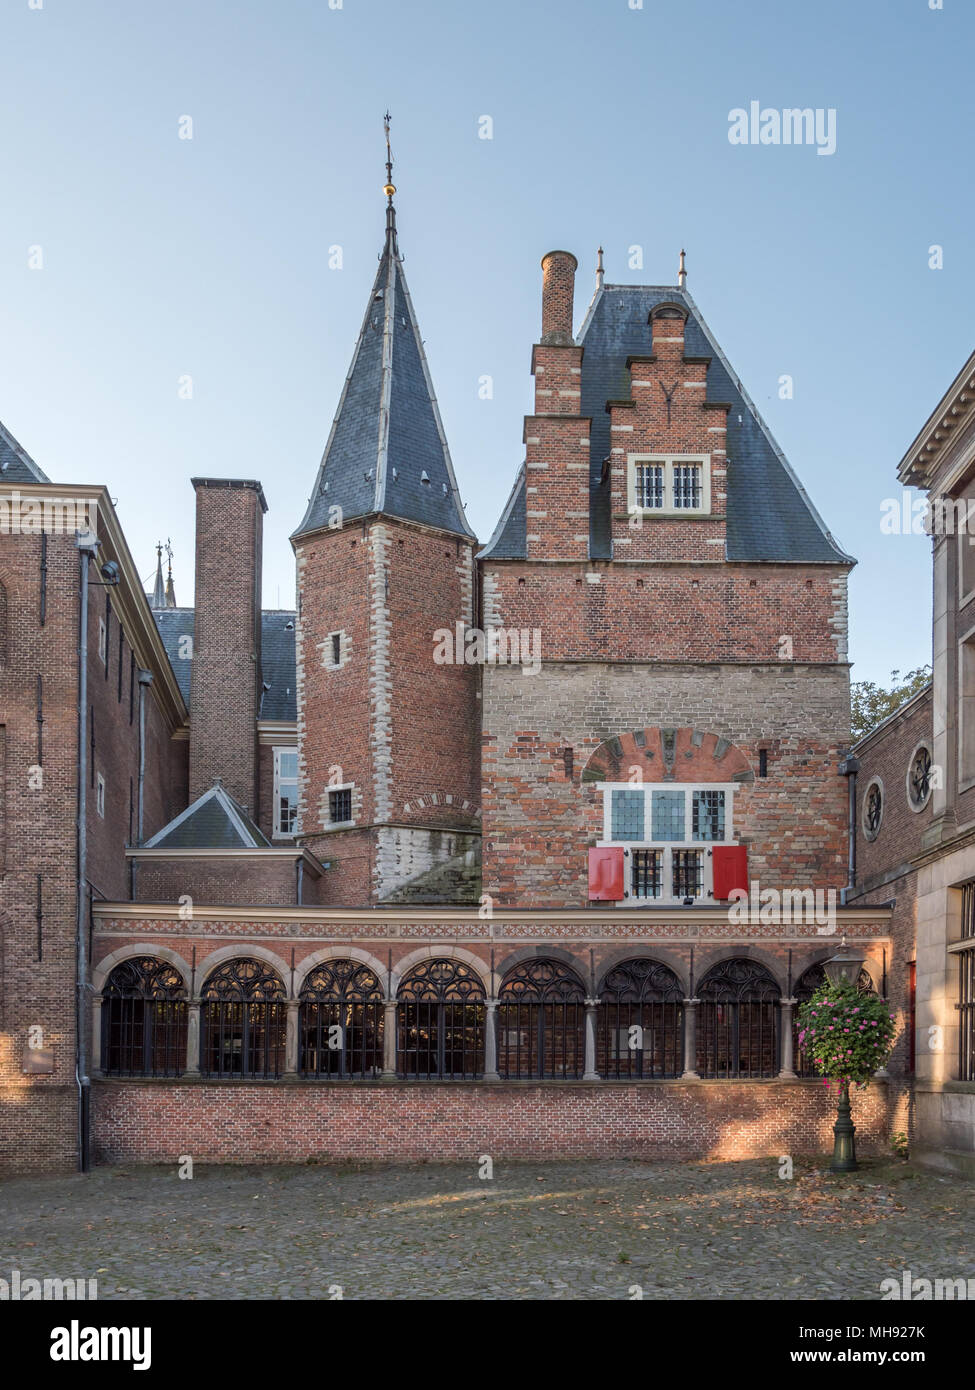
(226, 671)
(556, 436)
(558, 288)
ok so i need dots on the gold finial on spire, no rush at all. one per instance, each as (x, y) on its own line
(682, 273)
(389, 188)
(599, 268)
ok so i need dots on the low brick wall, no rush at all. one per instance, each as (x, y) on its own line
(291, 1121)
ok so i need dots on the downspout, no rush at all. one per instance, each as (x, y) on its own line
(849, 767)
(87, 544)
(145, 680)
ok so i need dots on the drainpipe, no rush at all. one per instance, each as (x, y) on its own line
(87, 544)
(145, 680)
(849, 767)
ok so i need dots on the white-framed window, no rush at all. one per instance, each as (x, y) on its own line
(285, 791)
(100, 795)
(669, 484)
(667, 831)
(102, 640)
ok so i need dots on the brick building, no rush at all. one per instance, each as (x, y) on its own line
(916, 804)
(522, 849)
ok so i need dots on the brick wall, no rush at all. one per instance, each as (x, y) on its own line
(232, 882)
(387, 718)
(37, 984)
(298, 1122)
(538, 823)
(884, 872)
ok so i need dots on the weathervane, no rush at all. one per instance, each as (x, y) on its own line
(389, 189)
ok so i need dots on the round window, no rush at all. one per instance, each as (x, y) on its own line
(919, 778)
(873, 808)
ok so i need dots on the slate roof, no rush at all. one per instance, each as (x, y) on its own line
(770, 516)
(277, 657)
(213, 821)
(16, 464)
(387, 432)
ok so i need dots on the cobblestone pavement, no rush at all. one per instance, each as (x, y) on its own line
(555, 1230)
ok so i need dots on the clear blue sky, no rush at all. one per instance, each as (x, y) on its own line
(209, 257)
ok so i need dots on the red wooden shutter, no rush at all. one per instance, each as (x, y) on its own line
(730, 863)
(606, 875)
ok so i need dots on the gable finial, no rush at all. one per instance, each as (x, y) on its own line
(159, 589)
(389, 188)
(599, 268)
(682, 273)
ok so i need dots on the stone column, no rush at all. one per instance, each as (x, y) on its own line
(96, 1032)
(787, 1069)
(590, 1073)
(291, 1039)
(690, 1072)
(389, 1040)
(193, 1038)
(491, 1040)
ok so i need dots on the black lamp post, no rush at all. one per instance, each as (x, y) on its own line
(845, 965)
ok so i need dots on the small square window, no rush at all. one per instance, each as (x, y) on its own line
(340, 805)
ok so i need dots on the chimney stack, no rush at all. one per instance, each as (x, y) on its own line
(226, 671)
(558, 288)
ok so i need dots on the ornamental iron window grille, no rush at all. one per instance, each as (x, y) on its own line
(874, 808)
(340, 805)
(640, 1022)
(808, 983)
(738, 1022)
(541, 1023)
(340, 1022)
(244, 1020)
(919, 777)
(440, 1022)
(144, 1019)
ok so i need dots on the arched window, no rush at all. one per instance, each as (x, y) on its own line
(809, 981)
(244, 1017)
(340, 1021)
(738, 1025)
(641, 1021)
(541, 1022)
(440, 1015)
(144, 1019)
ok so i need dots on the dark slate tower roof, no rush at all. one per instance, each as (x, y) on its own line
(16, 464)
(770, 516)
(387, 451)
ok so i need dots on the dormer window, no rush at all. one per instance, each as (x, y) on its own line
(669, 484)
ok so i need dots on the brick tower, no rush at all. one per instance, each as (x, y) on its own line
(388, 757)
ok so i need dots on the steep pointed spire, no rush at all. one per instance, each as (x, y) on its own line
(387, 451)
(159, 590)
